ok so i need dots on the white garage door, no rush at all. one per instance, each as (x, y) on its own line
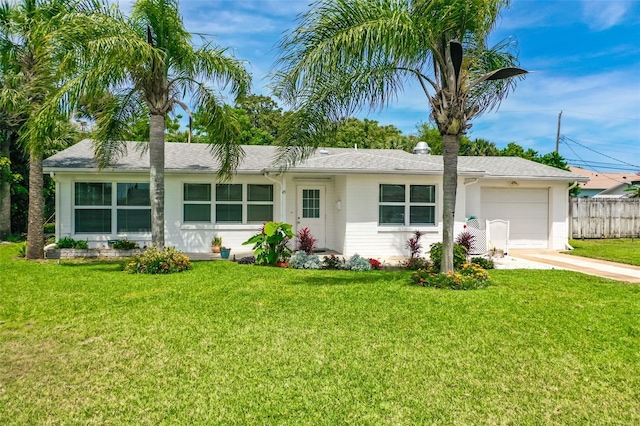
(527, 211)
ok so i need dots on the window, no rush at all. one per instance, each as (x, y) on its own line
(259, 203)
(311, 203)
(232, 203)
(397, 207)
(94, 207)
(228, 202)
(134, 207)
(197, 202)
(92, 212)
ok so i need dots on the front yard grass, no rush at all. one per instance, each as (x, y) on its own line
(624, 250)
(236, 344)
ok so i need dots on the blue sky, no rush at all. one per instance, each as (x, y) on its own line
(584, 58)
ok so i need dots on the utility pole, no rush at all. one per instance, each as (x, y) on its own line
(558, 134)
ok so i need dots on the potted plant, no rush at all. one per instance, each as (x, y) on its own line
(216, 244)
(224, 252)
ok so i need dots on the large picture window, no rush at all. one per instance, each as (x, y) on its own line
(397, 206)
(95, 207)
(231, 203)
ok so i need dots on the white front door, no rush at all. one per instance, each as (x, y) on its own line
(311, 212)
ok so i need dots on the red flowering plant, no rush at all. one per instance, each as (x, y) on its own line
(375, 264)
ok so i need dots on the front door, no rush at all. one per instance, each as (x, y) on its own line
(311, 212)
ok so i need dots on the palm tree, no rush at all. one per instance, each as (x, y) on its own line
(30, 65)
(346, 55)
(148, 62)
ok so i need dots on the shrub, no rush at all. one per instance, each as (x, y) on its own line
(466, 240)
(125, 245)
(483, 262)
(22, 250)
(81, 245)
(414, 245)
(357, 263)
(247, 260)
(49, 228)
(467, 277)
(375, 264)
(459, 255)
(332, 262)
(415, 263)
(306, 242)
(302, 260)
(270, 245)
(66, 243)
(156, 261)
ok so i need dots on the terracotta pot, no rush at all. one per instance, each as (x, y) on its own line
(215, 249)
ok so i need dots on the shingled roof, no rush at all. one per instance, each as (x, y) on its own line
(197, 158)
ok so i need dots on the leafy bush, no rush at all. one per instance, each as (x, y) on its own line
(459, 255)
(483, 262)
(306, 242)
(375, 264)
(270, 245)
(81, 245)
(466, 240)
(247, 260)
(415, 263)
(49, 228)
(156, 261)
(414, 245)
(467, 277)
(125, 245)
(357, 263)
(68, 243)
(302, 260)
(332, 262)
(22, 250)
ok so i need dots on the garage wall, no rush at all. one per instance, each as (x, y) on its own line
(557, 209)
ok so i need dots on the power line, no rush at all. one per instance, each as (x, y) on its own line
(564, 139)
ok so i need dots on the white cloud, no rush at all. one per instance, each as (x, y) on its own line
(601, 15)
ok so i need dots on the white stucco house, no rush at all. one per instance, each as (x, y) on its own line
(365, 201)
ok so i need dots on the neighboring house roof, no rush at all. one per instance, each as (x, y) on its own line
(619, 190)
(197, 158)
(602, 181)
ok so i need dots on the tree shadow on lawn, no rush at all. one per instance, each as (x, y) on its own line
(98, 266)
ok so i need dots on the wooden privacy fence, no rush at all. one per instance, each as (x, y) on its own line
(604, 217)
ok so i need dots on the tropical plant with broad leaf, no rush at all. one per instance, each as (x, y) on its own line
(270, 245)
(346, 55)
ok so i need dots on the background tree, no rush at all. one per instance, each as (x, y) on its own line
(148, 61)
(348, 54)
(30, 60)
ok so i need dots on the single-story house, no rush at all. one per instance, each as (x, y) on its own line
(605, 185)
(365, 201)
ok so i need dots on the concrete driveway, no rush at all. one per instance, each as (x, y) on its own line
(556, 260)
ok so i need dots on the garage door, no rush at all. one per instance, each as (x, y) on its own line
(527, 211)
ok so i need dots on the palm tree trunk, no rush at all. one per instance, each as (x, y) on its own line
(5, 192)
(156, 183)
(35, 228)
(451, 146)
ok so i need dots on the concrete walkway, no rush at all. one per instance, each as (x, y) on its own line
(599, 268)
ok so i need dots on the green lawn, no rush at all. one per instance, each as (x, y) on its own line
(623, 250)
(234, 344)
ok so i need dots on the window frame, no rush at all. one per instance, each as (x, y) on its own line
(244, 203)
(406, 205)
(197, 202)
(113, 207)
